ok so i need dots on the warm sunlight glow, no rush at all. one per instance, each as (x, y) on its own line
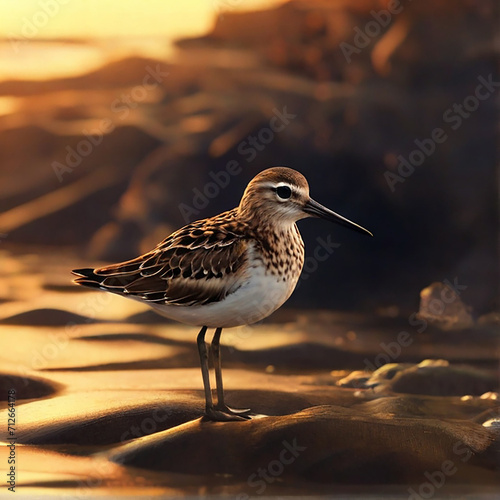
(124, 18)
(104, 31)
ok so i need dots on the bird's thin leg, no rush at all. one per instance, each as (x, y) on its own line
(202, 349)
(215, 347)
(211, 413)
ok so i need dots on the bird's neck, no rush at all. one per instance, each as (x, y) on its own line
(281, 249)
(276, 237)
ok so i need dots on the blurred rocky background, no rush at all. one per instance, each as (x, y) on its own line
(389, 108)
(118, 125)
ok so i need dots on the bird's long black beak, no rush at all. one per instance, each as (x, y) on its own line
(317, 210)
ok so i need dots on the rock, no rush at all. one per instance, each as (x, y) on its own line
(431, 377)
(493, 423)
(354, 380)
(494, 396)
(444, 381)
(489, 319)
(442, 306)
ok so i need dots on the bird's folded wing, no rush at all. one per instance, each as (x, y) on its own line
(188, 268)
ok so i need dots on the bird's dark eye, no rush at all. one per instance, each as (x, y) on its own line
(284, 192)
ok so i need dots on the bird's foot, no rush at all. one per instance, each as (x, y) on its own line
(233, 411)
(223, 415)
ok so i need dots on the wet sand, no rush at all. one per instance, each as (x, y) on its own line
(110, 400)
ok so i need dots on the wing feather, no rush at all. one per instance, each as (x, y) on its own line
(198, 264)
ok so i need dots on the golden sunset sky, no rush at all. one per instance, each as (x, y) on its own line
(112, 18)
(112, 29)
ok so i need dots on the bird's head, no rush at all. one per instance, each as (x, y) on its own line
(281, 195)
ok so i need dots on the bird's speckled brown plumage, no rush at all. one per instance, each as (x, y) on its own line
(230, 270)
(201, 263)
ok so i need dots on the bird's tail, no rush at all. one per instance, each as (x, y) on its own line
(114, 278)
(87, 277)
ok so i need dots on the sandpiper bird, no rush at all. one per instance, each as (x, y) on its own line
(229, 270)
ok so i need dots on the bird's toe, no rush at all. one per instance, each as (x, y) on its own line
(217, 415)
(233, 411)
